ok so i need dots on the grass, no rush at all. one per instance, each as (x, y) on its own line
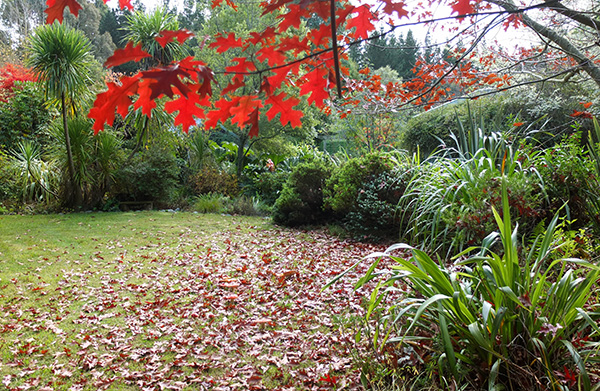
(159, 300)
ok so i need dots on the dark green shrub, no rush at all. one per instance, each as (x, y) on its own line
(341, 191)
(150, 175)
(23, 115)
(301, 199)
(212, 180)
(268, 185)
(375, 212)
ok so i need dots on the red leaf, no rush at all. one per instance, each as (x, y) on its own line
(293, 18)
(363, 22)
(316, 86)
(285, 108)
(241, 112)
(188, 109)
(124, 4)
(56, 9)
(516, 124)
(462, 7)
(270, 55)
(582, 114)
(144, 101)
(253, 122)
(116, 98)
(167, 36)
(233, 86)
(586, 105)
(128, 53)
(222, 113)
(166, 78)
(225, 43)
(398, 8)
(244, 66)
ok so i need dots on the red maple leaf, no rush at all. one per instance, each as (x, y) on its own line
(241, 112)
(189, 109)
(124, 4)
(222, 44)
(462, 7)
(128, 53)
(116, 98)
(165, 79)
(270, 55)
(398, 8)
(143, 101)
(253, 122)
(233, 86)
(363, 22)
(283, 106)
(223, 107)
(56, 9)
(167, 36)
(316, 85)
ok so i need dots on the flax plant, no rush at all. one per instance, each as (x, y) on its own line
(504, 318)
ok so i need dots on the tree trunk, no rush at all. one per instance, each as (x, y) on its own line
(71, 164)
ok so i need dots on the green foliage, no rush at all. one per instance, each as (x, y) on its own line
(374, 214)
(96, 159)
(342, 188)
(34, 177)
(301, 200)
(568, 172)
(447, 202)
(23, 115)
(212, 180)
(210, 203)
(150, 175)
(506, 320)
(61, 58)
(144, 27)
(543, 110)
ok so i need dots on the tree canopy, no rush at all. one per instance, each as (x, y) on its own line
(302, 55)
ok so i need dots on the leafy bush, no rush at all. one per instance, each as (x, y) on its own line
(567, 172)
(150, 175)
(507, 320)
(212, 180)
(23, 115)
(342, 188)
(301, 200)
(375, 212)
(8, 183)
(210, 203)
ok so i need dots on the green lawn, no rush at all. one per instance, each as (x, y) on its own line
(173, 301)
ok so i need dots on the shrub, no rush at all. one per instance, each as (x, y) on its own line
(342, 188)
(268, 185)
(212, 180)
(301, 200)
(23, 115)
(375, 212)
(507, 320)
(211, 203)
(567, 172)
(150, 175)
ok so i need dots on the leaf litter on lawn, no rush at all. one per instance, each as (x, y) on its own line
(237, 309)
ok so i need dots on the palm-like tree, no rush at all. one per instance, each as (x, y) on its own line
(62, 59)
(144, 27)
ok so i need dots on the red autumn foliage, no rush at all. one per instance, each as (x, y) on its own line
(11, 74)
(276, 64)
